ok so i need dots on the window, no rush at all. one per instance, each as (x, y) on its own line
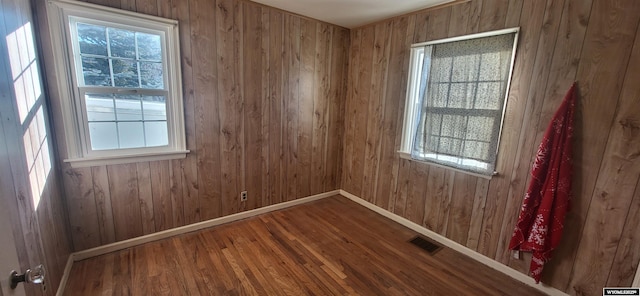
(455, 100)
(122, 101)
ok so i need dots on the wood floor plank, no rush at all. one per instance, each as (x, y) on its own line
(311, 249)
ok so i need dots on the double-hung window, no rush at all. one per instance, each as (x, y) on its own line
(456, 99)
(122, 99)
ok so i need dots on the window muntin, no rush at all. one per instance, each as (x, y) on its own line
(455, 100)
(122, 101)
(110, 60)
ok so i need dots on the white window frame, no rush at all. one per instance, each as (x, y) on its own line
(61, 14)
(412, 100)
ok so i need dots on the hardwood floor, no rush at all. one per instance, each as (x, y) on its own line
(328, 247)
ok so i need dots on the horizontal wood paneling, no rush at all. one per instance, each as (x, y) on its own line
(560, 41)
(264, 102)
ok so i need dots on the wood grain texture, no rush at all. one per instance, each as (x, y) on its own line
(615, 183)
(264, 102)
(126, 203)
(560, 42)
(37, 215)
(280, 254)
(621, 162)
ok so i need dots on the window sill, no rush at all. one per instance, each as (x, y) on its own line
(406, 155)
(122, 159)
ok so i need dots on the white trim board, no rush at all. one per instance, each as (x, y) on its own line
(65, 276)
(117, 246)
(81, 255)
(121, 245)
(456, 246)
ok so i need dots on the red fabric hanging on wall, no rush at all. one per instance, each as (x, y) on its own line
(541, 219)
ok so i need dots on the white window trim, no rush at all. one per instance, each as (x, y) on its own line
(409, 129)
(72, 111)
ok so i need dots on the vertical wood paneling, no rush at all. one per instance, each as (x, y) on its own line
(415, 202)
(292, 83)
(461, 207)
(560, 41)
(264, 108)
(531, 24)
(535, 99)
(623, 167)
(276, 114)
(162, 192)
(208, 122)
(103, 204)
(81, 204)
(176, 188)
(399, 166)
(376, 110)
(350, 110)
(337, 97)
(265, 197)
(186, 170)
(305, 105)
(145, 197)
(252, 85)
(126, 205)
(392, 82)
(321, 101)
(477, 214)
(360, 108)
(606, 73)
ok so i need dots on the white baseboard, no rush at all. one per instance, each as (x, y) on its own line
(117, 246)
(456, 246)
(81, 255)
(194, 227)
(65, 276)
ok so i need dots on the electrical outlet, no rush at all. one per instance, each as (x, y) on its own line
(243, 196)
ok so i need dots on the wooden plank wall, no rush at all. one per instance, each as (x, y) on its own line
(40, 230)
(264, 101)
(596, 43)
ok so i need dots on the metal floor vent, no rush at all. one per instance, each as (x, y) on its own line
(426, 244)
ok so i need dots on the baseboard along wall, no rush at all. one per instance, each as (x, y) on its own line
(85, 254)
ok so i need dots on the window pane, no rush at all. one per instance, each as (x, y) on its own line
(149, 47)
(438, 95)
(155, 108)
(92, 39)
(462, 95)
(440, 69)
(465, 68)
(128, 107)
(151, 75)
(449, 146)
(122, 43)
(461, 111)
(104, 135)
(489, 96)
(100, 107)
(454, 126)
(156, 133)
(131, 134)
(476, 150)
(480, 128)
(125, 73)
(96, 71)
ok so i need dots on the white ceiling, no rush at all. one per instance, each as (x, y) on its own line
(351, 13)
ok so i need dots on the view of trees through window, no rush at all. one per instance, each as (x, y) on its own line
(120, 58)
(114, 58)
